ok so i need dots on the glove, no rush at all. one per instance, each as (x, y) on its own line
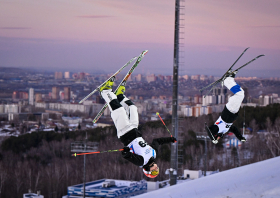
(126, 149)
(243, 139)
(173, 139)
(215, 141)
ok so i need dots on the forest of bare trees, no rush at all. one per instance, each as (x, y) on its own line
(42, 160)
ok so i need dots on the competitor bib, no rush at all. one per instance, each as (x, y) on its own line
(223, 126)
(140, 147)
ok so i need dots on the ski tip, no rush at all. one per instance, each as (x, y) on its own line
(157, 113)
(74, 154)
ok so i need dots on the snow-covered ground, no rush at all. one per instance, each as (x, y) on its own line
(258, 180)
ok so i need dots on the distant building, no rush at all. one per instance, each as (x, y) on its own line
(108, 188)
(161, 77)
(55, 93)
(203, 77)
(168, 78)
(67, 92)
(11, 108)
(192, 174)
(197, 99)
(31, 96)
(38, 97)
(186, 77)
(138, 77)
(195, 77)
(58, 75)
(82, 75)
(151, 78)
(15, 95)
(67, 75)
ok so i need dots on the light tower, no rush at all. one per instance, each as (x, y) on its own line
(174, 147)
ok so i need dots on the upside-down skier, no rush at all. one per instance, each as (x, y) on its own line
(230, 112)
(125, 116)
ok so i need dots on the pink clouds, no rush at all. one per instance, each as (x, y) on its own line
(94, 16)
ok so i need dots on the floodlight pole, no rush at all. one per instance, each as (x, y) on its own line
(204, 136)
(82, 147)
(174, 147)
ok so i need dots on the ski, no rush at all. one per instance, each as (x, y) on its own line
(108, 79)
(226, 71)
(212, 85)
(122, 82)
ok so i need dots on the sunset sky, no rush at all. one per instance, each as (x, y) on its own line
(102, 35)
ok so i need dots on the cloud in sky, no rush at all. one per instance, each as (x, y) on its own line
(15, 28)
(265, 26)
(94, 16)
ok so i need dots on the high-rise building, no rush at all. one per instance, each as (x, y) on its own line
(15, 95)
(38, 97)
(23, 95)
(138, 77)
(31, 96)
(67, 75)
(186, 77)
(67, 92)
(82, 75)
(55, 93)
(58, 75)
(151, 78)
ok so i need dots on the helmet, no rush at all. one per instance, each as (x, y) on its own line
(151, 174)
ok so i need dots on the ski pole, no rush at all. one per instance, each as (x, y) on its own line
(211, 133)
(75, 154)
(164, 124)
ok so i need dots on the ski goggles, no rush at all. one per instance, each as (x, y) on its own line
(155, 172)
(151, 174)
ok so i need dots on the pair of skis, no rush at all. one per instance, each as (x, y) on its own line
(139, 58)
(108, 79)
(229, 71)
(123, 82)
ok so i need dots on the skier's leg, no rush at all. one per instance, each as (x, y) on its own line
(118, 113)
(234, 101)
(131, 110)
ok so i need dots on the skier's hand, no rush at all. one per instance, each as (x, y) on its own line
(126, 149)
(173, 139)
(243, 139)
(215, 141)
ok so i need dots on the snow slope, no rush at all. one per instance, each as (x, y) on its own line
(261, 179)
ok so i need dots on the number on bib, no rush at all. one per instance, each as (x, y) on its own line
(142, 144)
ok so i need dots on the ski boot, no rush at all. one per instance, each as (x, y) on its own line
(229, 73)
(108, 85)
(121, 89)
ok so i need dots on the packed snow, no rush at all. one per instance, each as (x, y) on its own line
(261, 179)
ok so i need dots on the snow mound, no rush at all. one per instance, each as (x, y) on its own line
(261, 179)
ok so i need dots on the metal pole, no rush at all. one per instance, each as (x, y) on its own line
(244, 120)
(174, 147)
(205, 156)
(85, 168)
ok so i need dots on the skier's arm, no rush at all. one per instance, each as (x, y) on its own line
(236, 132)
(159, 141)
(138, 160)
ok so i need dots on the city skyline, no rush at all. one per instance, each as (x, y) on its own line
(103, 36)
